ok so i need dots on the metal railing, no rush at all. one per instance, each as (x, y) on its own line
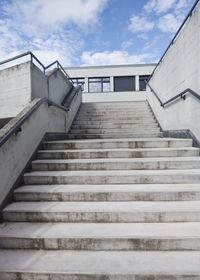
(181, 95)
(175, 36)
(17, 127)
(32, 58)
(58, 65)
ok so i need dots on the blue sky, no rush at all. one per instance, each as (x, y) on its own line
(90, 32)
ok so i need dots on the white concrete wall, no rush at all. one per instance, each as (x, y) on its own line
(58, 86)
(15, 153)
(22, 83)
(180, 70)
(114, 96)
(39, 87)
(15, 88)
(18, 149)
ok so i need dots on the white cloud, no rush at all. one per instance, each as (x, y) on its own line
(159, 6)
(49, 28)
(34, 15)
(127, 44)
(168, 23)
(140, 24)
(113, 58)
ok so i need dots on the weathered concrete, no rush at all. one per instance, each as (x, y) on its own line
(178, 71)
(69, 265)
(114, 192)
(21, 84)
(18, 149)
(113, 236)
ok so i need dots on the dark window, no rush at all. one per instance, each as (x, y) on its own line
(101, 84)
(126, 83)
(142, 84)
(79, 81)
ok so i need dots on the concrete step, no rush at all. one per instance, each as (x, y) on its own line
(112, 136)
(120, 119)
(104, 212)
(117, 164)
(113, 177)
(116, 115)
(101, 236)
(105, 125)
(114, 105)
(98, 265)
(118, 153)
(110, 123)
(118, 143)
(120, 112)
(131, 192)
(110, 131)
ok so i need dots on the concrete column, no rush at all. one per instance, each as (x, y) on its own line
(137, 86)
(86, 85)
(111, 83)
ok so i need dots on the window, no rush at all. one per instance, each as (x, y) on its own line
(79, 81)
(126, 83)
(101, 84)
(142, 84)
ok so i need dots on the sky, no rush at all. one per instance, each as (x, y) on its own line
(90, 32)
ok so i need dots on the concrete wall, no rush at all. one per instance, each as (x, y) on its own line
(110, 71)
(39, 87)
(22, 83)
(18, 149)
(58, 86)
(178, 71)
(15, 88)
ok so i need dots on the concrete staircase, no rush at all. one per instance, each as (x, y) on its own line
(123, 203)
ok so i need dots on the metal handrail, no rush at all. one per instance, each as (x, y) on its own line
(33, 57)
(17, 127)
(181, 95)
(60, 67)
(175, 36)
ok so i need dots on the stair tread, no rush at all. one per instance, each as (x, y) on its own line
(116, 160)
(122, 188)
(100, 230)
(122, 149)
(114, 172)
(101, 262)
(114, 207)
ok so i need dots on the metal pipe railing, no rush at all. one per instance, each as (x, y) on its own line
(175, 36)
(181, 95)
(32, 58)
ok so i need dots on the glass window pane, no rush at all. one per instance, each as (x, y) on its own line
(106, 87)
(95, 87)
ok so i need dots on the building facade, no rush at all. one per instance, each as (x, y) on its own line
(111, 82)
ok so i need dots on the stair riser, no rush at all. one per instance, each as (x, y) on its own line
(85, 276)
(115, 154)
(114, 131)
(136, 121)
(115, 166)
(115, 136)
(115, 111)
(112, 179)
(115, 126)
(103, 217)
(106, 196)
(126, 244)
(115, 145)
(117, 119)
